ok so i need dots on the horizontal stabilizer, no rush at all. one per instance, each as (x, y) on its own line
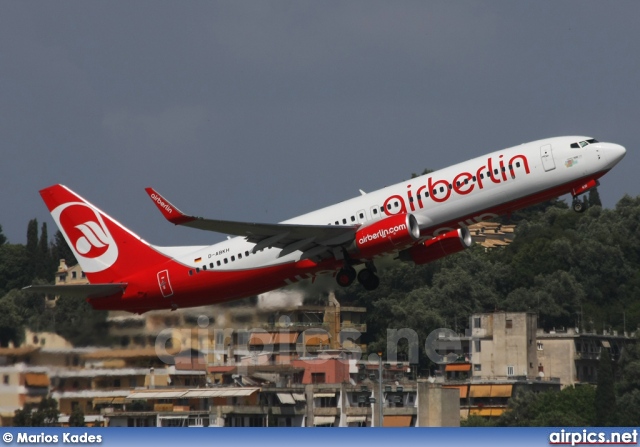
(81, 290)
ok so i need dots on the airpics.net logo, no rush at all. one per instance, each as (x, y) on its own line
(382, 233)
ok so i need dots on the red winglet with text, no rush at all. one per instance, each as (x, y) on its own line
(170, 212)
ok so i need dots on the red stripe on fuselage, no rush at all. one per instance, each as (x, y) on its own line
(206, 287)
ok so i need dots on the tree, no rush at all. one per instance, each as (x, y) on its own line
(32, 247)
(14, 263)
(44, 265)
(605, 403)
(594, 197)
(571, 407)
(45, 415)
(3, 238)
(76, 419)
(11, 321)
(60, 250)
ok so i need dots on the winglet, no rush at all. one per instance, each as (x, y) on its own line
(170, 212)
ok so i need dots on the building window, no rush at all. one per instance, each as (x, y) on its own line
(5, 379)
(476, 323)
(540, 346)
(510, 371)
(477, 345)
(73, 275)
(509, 324)
(477, 367)
(318, 378)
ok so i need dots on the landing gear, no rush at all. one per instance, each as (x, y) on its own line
(346, 275)
(368, 279)
(578, 205)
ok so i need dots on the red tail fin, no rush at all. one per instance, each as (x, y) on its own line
(106, 251)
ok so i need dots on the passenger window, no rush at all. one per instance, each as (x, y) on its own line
(517, 164)
(190, 272)
(233, 258)
(211, 265)
(226, 261)
(361, 215)
(204, 267)
(389, 206)
(239, 255)
(353, 218)
(344, 221)
(337, 222)
(246, 253)
(218, 262)
(442, 189)
(375, 211)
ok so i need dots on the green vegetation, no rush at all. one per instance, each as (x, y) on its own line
(45, 414)
(36, 263)
(573, 270)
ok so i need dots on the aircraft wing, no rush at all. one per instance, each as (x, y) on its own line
(81, 290)
(315, 241)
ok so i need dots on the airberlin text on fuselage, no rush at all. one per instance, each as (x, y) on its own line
(464, 183)
(162, 203)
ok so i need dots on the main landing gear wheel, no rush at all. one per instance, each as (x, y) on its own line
(346, 276)
(578, 205)
(368, 279)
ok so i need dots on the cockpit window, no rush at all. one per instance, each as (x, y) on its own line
(583, 143)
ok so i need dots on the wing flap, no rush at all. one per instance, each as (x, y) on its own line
(80, 290)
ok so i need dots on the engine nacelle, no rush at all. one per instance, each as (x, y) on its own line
(438, 247)
(390, 234)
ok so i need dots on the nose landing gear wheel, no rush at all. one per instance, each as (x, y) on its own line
(578, 206)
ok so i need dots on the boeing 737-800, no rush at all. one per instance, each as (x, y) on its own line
(419, 220)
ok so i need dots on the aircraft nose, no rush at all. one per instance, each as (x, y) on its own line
(615, 153)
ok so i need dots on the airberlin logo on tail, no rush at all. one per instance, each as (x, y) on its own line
(87, 235)
(161, 203)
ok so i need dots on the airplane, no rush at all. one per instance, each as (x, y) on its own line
(418, 220)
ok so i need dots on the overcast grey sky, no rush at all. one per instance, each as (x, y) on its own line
(263, 110)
